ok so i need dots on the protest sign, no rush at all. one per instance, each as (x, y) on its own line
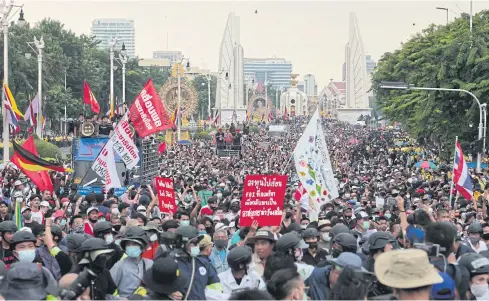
(166, 195)
(263, 200)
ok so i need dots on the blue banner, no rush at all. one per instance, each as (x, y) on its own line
(89, 189)
(89, 148)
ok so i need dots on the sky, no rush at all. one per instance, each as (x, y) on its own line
(310, 34)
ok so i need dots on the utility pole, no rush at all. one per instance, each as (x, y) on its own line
(40, 46)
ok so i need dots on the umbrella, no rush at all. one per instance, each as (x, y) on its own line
(426, 165)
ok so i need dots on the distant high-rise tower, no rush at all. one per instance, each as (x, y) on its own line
(123, 29)
(357, 78)
(310, 87)
(275, 71)
(172, 56)
(371, 64)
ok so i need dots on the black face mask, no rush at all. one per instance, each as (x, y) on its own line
(288, 215)
(209, 229)
(485, 236)
(335, 252)
(234, 209)
(117, 227)
(312, 245)
(93, 221)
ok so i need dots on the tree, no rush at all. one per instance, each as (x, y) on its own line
(200, 85)
(441, 56)
(78, 58)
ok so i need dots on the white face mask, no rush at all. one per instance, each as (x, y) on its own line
(153, 237)
(479, 290)
(325, 236)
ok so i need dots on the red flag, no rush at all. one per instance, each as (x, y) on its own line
(162, 147)
(40, 178)
(89, 98)
(147, 113)
(299, 192)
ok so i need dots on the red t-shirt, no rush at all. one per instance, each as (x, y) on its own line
(89, 228)
(150, 252)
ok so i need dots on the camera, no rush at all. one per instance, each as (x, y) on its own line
(81, 283)
(433, 250)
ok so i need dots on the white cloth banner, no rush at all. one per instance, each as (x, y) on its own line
(104, 166)
(313, 166)
(124, 145)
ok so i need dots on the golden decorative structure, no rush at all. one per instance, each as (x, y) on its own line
(169, 96)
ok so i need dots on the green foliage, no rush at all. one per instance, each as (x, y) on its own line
(201, 87)
(46, 150)
(78, 58)
(254, 129)
(445, 57)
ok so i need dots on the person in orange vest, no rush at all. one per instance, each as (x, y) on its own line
(153, 233)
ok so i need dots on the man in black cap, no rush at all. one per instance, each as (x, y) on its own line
(164, 280)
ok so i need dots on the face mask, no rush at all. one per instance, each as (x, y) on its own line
(234, 209)
(303, 226)
(312, 245)
(288, 215)
(62, 223)
(387, 215)
(117, 227)
(118, 242)
(202, 232)
(153, 237)
(220, 243)
(479, 290)
(93, 221)
(298, 257)
(101, 220)
(133, 251)
(219, 195)
(474, 240)
(69, 211)
(26, 255)
(485, 236)
(27, 216)
(185, 223)
(366, 225)
(194, 251)
(109, 239)
(326, 236)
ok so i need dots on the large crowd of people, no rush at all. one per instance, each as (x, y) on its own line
(395, 230)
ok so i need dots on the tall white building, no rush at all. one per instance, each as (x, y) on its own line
(275, 71)
(123, 29)
(172, 56)
(371, 64)
(310, 87)
(230, 81)
(357, 78)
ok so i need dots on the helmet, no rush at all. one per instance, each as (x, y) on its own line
(340, 228)
(93, 247)
(8, 226)
(74, 242)
(239, 257)
(475, 228)
(135, 234)
(56, 231)
(310, 232)
(187, 232)
(101, 227)
(22, 236)
(346, 240)
(289, 241)
(475, 263)
(378, 240)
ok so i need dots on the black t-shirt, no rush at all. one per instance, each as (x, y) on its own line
(105, 128)
(7, 256)
(310, 260)
(32, 225)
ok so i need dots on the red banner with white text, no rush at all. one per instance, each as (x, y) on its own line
(263, 200)
(166, 195)
(147, 113)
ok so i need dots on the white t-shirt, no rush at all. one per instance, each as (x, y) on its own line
(37, 216)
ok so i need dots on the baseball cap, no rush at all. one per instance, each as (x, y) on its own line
(89, 209)
(24, 209)
(141, 208)
(349, 259)
(45, 203)
(262, 234)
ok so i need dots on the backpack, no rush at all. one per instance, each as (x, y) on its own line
(452, 279)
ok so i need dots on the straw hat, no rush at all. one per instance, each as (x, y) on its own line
(404, 269)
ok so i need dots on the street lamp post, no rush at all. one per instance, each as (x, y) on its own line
(208, 78)
(112, 42)
(482, 108)
(123, 59)
(40, 46)
(445, 9)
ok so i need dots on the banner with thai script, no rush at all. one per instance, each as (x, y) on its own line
(147, 113)
(104, 166)
(124, 145)
(263, 200)
(166, 195)
(87, 149)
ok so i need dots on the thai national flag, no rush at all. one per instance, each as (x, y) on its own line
(461, 178)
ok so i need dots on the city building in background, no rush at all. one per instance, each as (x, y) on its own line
(275, 71)
(196, 71)
(122, 29)
(230, 81)
(310, 86)
(172, 56)
(370, 63)
(332, 97)
(162, 63)
(357, 78)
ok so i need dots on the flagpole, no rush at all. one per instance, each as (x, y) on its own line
(453, 173)
(288, 163)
